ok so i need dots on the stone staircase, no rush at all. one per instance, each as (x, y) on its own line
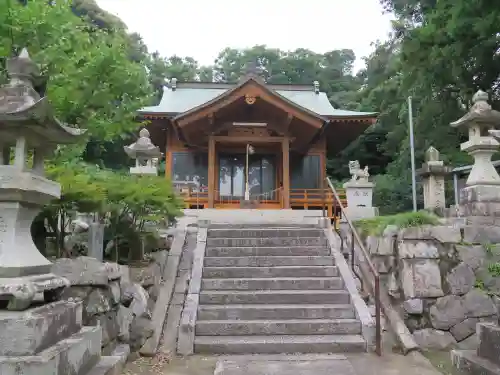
(269, 289)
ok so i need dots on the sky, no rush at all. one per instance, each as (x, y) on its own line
(201, 28)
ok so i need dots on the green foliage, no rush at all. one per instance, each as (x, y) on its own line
(494, 269)
(377, 225)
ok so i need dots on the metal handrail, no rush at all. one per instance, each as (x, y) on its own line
(366, 256)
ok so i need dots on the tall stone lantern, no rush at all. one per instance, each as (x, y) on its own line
(27, 123)
(483, 183)
(145, 153)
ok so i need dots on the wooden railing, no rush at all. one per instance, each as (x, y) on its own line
(304, 199)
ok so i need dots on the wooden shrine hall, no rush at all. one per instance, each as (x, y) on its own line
(250, 143)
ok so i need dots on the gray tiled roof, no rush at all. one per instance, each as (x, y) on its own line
(186, 98)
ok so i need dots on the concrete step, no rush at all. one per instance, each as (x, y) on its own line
(267, 242)
(265, 233)
(269, 261)
(257, 272)
(278, 327)
(279, 344)
(270, 311)
(213, 297)
(266, 251)
(276, 283)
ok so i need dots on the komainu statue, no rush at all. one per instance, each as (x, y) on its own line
(357, 173)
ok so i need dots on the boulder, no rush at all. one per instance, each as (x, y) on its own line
(478, 304)
(447, 312)
(464, 329)
(433, 339)
(141, 329)
(421, 278)
(461, 279)
(86, 271)
(414, 306)
(124, 320)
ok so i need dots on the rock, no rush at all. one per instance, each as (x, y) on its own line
(481, 234)
(461, 279)
(464, 329)
(473, 256)
(391, 231)
(114, 287)
(76, 292)
(160, 258)
(447, 312)
(146, 276)
(418, 249)
(470, 343)
(109, 325)
(99, 301)
(139, 304)
(140, 330)
(86, 271)
(124, 275)
(124, 320)
(478, 304)
(372, 244)
(441, 233)
(421, 278)
(414, 306)
(432, 339)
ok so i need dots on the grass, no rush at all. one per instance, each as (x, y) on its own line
(376, 225)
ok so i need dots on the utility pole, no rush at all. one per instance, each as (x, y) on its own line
(412, 153)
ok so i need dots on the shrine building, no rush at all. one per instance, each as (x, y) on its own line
(251, 143)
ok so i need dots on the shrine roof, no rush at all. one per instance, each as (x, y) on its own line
(189, 95)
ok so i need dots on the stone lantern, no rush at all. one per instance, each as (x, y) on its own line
(145, 153)
(483, 183)
(27, 123)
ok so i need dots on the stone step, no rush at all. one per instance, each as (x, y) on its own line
(265, 233)
(258, 272)
(278, 327)
(276, 283)
(267, 242)
(279, 344)
(267, 251)
(269, 261)
(77, 355)
(262, 226)
(213, 297)
(270, 311)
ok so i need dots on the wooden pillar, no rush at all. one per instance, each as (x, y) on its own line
(168, 154)
(285, 147)
(211, 171)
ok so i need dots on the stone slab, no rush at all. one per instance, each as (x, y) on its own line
(489, 342)
(31, 331)
(264, 233)
(270, 272)
(75, 355)
(290, 366)
(150, 347)
(469, 362)
(266, 242)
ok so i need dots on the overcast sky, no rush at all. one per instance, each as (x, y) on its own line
(201, 28)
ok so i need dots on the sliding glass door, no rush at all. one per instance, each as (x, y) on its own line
(261, 176)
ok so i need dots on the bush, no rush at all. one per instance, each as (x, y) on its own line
(376, 225)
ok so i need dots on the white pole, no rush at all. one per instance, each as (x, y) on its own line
(412, 151)
(247, 190)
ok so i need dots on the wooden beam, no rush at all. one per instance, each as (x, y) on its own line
(285, 147)
(211, 171)
(245, 140)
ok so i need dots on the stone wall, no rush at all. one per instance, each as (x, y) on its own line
(438, 277)
(118, 298)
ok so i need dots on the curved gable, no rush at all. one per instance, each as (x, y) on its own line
(250, 87)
